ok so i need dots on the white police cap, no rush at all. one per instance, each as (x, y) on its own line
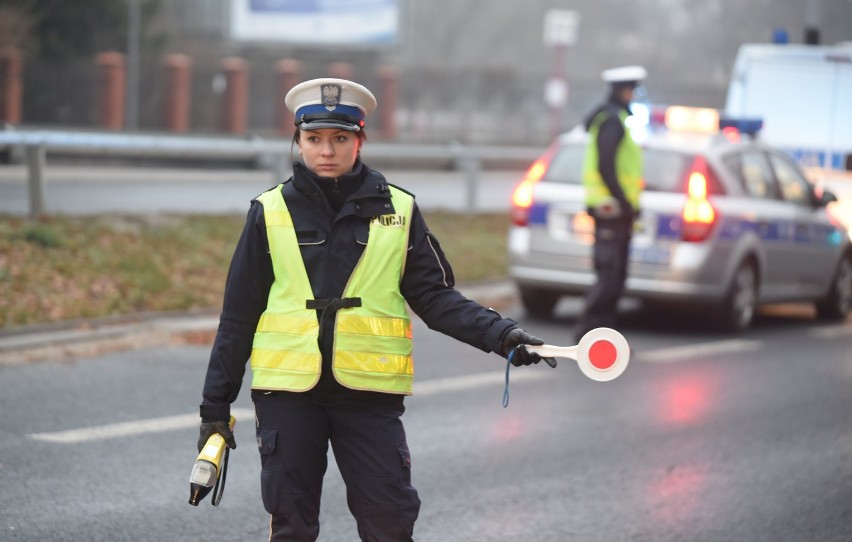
(330, 103)
(624, 75)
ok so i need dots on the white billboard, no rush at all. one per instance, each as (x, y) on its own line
(316, 22)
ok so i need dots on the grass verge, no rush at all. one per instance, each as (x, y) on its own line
(68, 268)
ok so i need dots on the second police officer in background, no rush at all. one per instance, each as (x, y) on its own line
(316, 296)
(612, 177)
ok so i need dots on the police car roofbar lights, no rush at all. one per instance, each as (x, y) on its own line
(692, 119)
(678, 118)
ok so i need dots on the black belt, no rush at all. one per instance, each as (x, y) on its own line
(333, 304)
(329, 307)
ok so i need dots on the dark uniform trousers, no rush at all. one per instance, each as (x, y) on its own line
(611, 251)
(369, 444)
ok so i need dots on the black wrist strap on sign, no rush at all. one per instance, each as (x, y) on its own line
(219, 488)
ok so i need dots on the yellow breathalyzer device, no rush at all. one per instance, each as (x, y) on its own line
(210, 469)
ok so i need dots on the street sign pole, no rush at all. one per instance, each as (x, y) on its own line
(560, 32)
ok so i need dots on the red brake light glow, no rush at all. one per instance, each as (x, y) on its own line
(522, 196)
(536, 171)
(697, 185)
(699, 216)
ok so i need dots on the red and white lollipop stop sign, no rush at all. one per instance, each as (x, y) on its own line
(602, 354)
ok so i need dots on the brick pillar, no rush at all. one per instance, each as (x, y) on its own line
(176, 104)
(289, 75)
(235, 103)
(387, 98)
(11, 66)
(340, 70)
(111, 90)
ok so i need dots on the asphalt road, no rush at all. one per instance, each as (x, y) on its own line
(703, 438)
(82, 190)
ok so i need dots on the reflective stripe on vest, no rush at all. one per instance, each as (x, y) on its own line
(372, 343)
(628, 165)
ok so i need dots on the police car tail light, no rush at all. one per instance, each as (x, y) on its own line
(699, 216)
(522, 196)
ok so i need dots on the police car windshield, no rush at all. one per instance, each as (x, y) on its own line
(664, 170)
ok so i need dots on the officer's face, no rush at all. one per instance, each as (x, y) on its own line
(329, 152)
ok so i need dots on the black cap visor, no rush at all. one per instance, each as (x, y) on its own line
(339, 121)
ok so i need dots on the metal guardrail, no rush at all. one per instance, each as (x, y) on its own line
(273, 154)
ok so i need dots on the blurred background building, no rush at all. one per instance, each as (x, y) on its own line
(473, 71)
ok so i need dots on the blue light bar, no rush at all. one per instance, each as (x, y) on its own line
(744, 126)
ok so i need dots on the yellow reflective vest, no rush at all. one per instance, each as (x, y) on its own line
(372, 341)
(628, 165)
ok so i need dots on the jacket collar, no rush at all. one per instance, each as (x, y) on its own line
(371, 198)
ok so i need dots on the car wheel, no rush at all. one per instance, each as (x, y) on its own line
(737, 310)
(538, 302)
(837, 304)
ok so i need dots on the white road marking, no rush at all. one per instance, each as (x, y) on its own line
(831, 332)
(478, 380)
(184, 421)
(692, 351)
(127, 429)
(425, 388)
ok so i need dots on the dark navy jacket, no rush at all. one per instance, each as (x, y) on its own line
(331, 243)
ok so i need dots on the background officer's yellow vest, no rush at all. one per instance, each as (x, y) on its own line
(628, 166)
(372, 342)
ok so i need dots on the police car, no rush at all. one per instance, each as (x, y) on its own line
(727, 223)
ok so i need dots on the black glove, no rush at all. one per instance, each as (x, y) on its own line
(208, 429)
(522, 356)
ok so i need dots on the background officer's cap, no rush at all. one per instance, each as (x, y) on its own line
(624, 76)
(330, 103)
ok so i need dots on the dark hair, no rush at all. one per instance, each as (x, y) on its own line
(360, 134)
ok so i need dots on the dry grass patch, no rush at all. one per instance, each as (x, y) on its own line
(69, 268)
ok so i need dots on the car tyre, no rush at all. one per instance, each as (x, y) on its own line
(837, 303)
(737, 310)
(538, 302)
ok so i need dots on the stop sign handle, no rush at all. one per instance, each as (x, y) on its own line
(602, 354)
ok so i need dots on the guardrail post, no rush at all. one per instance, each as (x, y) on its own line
(111, 87)
(36, 161)
(11, 63)
(470, 166)
(176, 105)
(235, 106)
(389, 89)
(289, 75)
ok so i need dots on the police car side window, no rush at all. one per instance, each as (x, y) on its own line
(794, 187)
(754, 172)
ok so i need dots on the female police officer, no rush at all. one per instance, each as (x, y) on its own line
(316, 297)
